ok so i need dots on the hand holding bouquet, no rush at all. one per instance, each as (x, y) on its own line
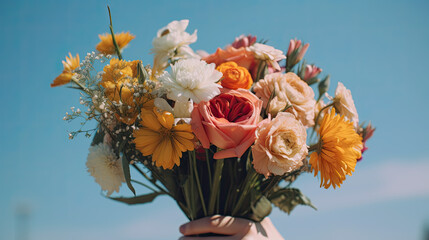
(226, 133)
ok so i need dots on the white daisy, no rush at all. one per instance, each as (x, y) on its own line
(191, 79)
(105, 167)
(267, 53)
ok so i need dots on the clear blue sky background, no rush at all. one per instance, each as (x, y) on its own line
(378, 49)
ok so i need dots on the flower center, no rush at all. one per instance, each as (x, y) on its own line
(230, 107)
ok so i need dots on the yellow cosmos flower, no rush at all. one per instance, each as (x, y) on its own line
(160, 138)
(106, 46)
(339, 148)
(120, 80)
(70, 64)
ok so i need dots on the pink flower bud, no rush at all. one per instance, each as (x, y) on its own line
(366, 134)
(293, 45)
(301, 52)
(311, 71)
(244, 41)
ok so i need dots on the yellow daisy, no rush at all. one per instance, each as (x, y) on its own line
(160, 138)
(106, 46)
(70, 64)
(338, 150)
(120, 80)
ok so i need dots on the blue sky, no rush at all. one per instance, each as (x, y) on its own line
(378, 49)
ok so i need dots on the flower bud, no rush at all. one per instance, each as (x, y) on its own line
(311, 71)
(244, 41)
(366, 133)
(295, 53)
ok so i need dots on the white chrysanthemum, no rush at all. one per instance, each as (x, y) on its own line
(345, 105)
(172, 42)
(191, 79)
(267, 53)
(105, 167)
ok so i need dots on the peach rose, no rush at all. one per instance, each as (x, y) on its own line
(228, 121)
(235, 76)
(280, 145)
(289, 90)
(241, 56)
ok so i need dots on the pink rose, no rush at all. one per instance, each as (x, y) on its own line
(227, 121)
(280, 145)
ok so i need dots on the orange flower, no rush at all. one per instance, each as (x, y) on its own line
(160, 138)
(70, 64)
(120, 80)
(241, 56)
(235, 76)
(106, 46)
(337, 151)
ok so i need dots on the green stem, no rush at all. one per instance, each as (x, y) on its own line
(191, 190)
(216, 185)
(85, 89)
(144, 184)
(150, 180)
(118, 52)
(247, 183)
(188, 201)
(318, 116)
(314, 147)
(271, 185)
(197, 179)
(209, 169)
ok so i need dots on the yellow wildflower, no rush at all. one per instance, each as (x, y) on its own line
(160, 138)
(339, 148)
(120, 80)
(106, 46)
(70, 64)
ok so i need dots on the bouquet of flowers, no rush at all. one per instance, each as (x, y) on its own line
(223, 133)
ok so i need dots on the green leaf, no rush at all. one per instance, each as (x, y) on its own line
(260, 209)
(126, 169)
(313, 80)
(288, 198)
(272, 95)
(323, 86)
(138, 199)
(301, 70)
(142, 73)
(262, 70)
(98, 137)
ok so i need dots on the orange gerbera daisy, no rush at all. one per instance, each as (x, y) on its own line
(70, 64)
(160, 138)
(106, 46)
(338, 150)
(120, 81)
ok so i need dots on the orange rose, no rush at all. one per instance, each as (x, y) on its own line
(235, 76)
(241, 56)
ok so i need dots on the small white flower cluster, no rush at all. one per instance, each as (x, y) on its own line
(86, 69)
(75, 113)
